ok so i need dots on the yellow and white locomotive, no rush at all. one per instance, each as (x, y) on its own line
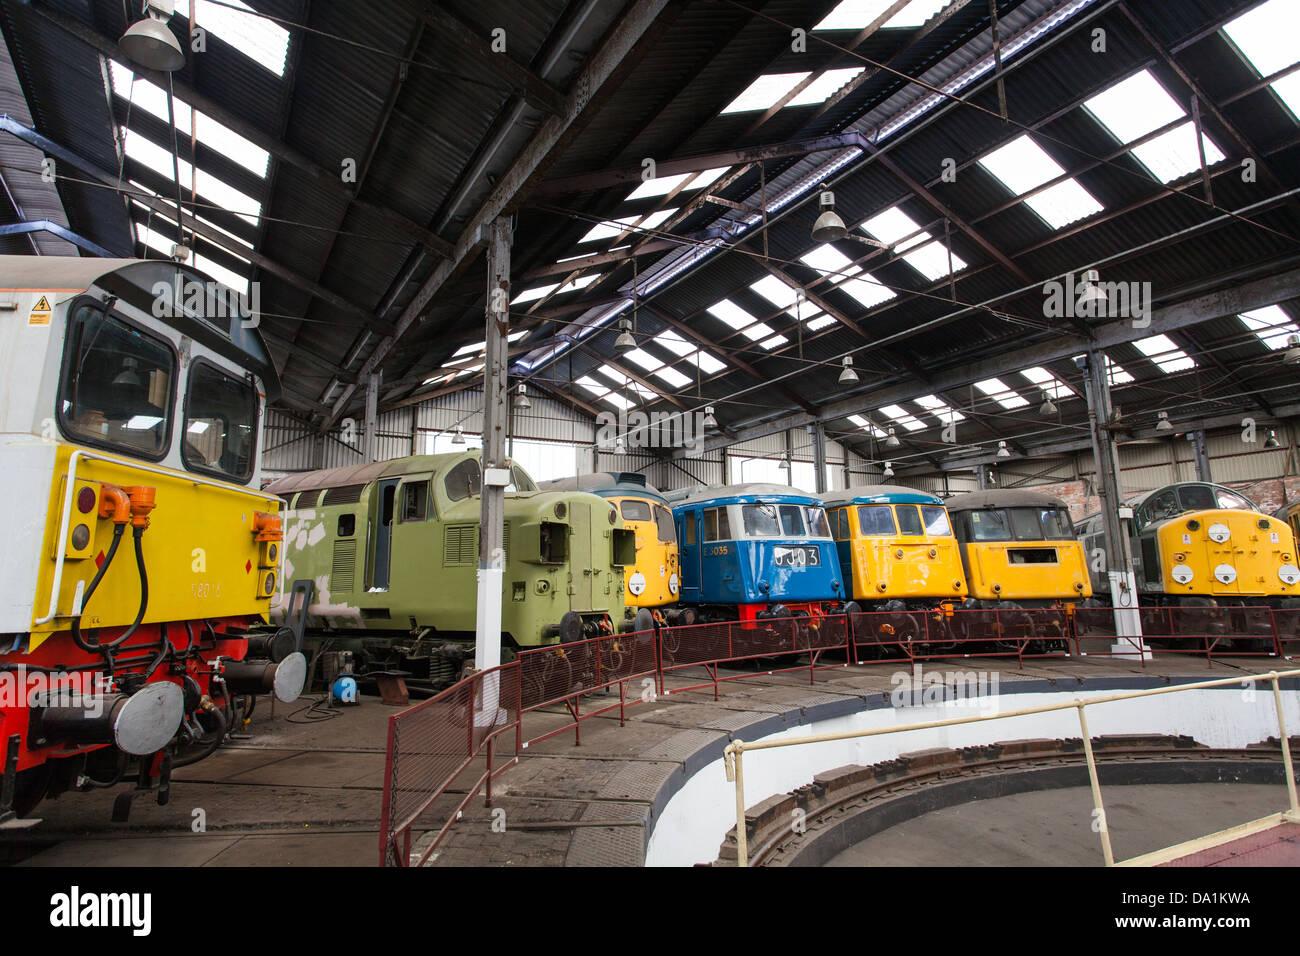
(140, 556)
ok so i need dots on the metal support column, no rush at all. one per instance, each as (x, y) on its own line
(487, 647)
(1119, 558)
(789, 457)
(372, 416)
(818, 432)
(1200, 456)
(317, 451)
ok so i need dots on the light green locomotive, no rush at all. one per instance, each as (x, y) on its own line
(392, 548)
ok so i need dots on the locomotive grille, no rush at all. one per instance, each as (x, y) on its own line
(343, 495)
(343, 570)
(460, 545)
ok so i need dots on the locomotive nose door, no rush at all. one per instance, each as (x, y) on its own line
(382, 559)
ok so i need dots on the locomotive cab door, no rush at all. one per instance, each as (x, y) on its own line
(381, 559)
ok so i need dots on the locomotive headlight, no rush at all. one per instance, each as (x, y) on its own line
(268, 584)
(80, 537)
(1182, 574)
(1289, 574)
(1219, 533)
(1225, 573)
(561, 509)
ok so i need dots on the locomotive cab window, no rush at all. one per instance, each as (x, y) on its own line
(717, 527)
(1197, 498)
(1056, 523)
(792, 521)
(463, 481)
(220, 423)
(761, 521)
(909, 520)
(635, 510)
(1026, 524)
(688, 528)
(936, 522)
(989, 526)
(116, 386)
(1226, 499)
(664, 524)
(875, 520)
(839, 523)
(415, 501)
(519, 478)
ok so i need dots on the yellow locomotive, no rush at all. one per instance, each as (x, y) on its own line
(653, 584)
(140, 557)
(1197, 544)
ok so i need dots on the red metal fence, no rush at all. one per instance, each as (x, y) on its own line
(444, 751)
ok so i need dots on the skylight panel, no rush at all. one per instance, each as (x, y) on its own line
(598, 389)
(826, 259)
(764, 92)
(708, 364)
(900, 416)
(674, 342)
(867, 290)
(532, 295)
(773, 342)
(931, 260)
(663, 185)
(1174, 154)
(210, 188)
(615, 227)
(643, 358)
(1114, 372)
(673, 377)
(941, 409)
(1022, 165)
(573, 285)
(1063, 204)
(172, 219)
(893, 225)
(824, 87)
(1266, 35)
(821, 322)
(152, 99)
(869, 426)
(263, 41)
(160, 243)
(732, 314)
(998, 390)
(1168, 356)
(786, 297)
(857, 14)
(1271, 325)
(1048, 382)
(1134, 107)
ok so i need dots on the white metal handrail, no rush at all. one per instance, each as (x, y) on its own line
(734, 752)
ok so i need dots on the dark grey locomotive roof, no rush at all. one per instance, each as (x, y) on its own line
(1145, 496)
(1003, 498)
(606, 483)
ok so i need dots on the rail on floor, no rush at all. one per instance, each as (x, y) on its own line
(445, 751)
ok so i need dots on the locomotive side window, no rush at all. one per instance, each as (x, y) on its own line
(116, 388)
(989, 526)
(415, 501)
(761, 521)
(519, 478)
(936, 522)
(635, 510)
(347, 525)
(688, 527)
(909, 520)
(463, 480)
(1197, 497)
(717, 527)
(664, 523)
(875, 520)
(1163, 506)
(839, 523)
(220, 423)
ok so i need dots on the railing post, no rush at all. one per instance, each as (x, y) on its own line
(491, 750)
(1286, 749)
(659, 658)
(1098, 808)
(732, 760)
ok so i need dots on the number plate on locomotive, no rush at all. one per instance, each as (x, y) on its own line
(787, 557)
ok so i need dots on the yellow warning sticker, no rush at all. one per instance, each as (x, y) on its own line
(40, 313)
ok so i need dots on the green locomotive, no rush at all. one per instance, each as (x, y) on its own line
(392, 548)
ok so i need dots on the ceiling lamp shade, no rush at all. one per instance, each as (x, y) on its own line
(848, 376)
(521, 399)
(459, 437)
(1293, 350)
(829, 226)
(1162, 423)
(891, 440)
(1271, 441)
(625, 342)
(1048, 408)
(709, 420)
(150, 43)
(889, 470)
(1003, 451)
(1091, 293)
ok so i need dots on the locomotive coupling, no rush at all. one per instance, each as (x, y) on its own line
(284, 678)
(140, 724)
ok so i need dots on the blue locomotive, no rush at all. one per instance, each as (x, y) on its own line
(756, 552)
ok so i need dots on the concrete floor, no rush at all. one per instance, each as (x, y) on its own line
(308, 793)
(1054, 827)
